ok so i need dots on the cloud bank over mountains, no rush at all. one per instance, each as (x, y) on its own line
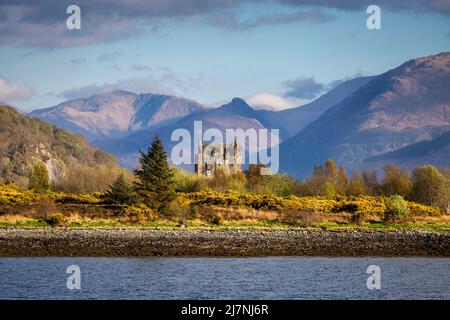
(270, 101)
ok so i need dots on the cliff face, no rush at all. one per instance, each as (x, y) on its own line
(25, 140)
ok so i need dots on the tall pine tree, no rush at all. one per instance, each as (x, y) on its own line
(155, 183)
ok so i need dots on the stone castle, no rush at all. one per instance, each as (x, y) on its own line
(218, 158)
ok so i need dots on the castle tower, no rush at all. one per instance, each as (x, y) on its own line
(224, 158)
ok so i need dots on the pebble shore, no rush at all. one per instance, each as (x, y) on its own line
(220, 243)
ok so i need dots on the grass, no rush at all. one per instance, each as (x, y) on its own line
(385, 226)
(26, 223)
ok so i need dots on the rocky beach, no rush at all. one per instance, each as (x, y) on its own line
(221, 243)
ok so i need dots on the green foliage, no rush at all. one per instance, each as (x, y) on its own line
(357, 186)
(39, 177)
(57, 208)
(329, 190)
(155, 183)
(188, 182)
(361, 205)
(397, 209)
(431, 187)
(120, 192)
(217, 220)
(396, 181)
(278, 184)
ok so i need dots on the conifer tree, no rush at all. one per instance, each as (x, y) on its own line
(155, 183)
(120, 192)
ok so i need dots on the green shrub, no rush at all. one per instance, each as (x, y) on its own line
(193, 211)
(397, 209)
(359, 217)
(39, 177)
(56, 220)
(217, 220)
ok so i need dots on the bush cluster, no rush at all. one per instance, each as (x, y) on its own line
(361, 205)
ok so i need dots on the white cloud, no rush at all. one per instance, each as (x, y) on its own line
(14, 92)
(269, 101)
(168, 83)
(135, 85)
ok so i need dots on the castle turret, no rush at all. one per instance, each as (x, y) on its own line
(224, 158)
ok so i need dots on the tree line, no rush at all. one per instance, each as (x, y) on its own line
(155, 183)
(424, 184)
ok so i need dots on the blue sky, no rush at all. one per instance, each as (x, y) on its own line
(276, 54)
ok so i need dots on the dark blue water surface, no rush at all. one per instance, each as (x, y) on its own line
(225, 278)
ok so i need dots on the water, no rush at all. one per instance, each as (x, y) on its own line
(225, 278)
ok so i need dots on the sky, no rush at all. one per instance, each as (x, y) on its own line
(276, 54)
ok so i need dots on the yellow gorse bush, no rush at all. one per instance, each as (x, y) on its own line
(13, 194)
(361, 204)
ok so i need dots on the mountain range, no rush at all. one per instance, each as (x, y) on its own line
(360, 123)
(116, 114)
(405, 105)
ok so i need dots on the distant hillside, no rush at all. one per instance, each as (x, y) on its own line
(403, 106)
(435, 152)
(116, 114)
(291, 121)
(25, 140)
(157, 110)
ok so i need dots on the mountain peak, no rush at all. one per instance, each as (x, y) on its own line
(104, 95)
(154, 110)
(237, 100)
(239, 107)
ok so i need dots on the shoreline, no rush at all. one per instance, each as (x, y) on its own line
(59, 242)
